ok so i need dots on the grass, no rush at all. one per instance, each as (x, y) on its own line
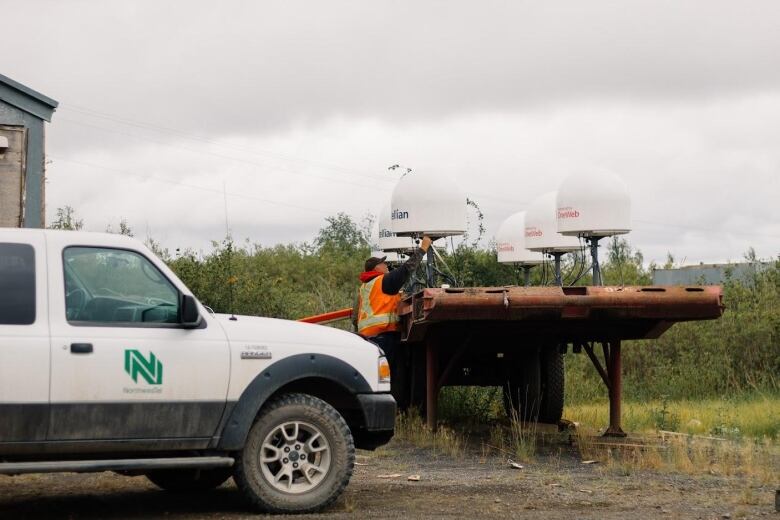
(411, 428)
(755, 416)
(756, 460)
(518, 439)
(737, 436)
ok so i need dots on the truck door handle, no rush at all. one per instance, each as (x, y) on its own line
(80, 348)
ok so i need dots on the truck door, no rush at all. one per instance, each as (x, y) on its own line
(122, 365)
(24, 339)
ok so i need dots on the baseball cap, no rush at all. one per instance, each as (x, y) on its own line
(374, 261)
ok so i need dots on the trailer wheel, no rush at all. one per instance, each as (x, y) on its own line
(522, 391)
(552, 386)
(298, 457)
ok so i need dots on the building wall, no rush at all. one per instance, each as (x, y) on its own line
(28, 190)
(12, 175)
(710, 274)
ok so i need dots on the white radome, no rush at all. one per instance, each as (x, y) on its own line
(391, 257)
(387, 240)
(541, 228)
(510, 242)
(423, 204)
(593, 204)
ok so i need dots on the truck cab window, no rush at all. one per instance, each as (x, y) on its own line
(17, 284)
(116, 286)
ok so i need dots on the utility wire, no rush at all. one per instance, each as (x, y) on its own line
(259, 152)
(223, 156)
(193, 186)
(194, 137)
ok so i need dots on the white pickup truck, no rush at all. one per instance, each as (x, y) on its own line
(109, 363)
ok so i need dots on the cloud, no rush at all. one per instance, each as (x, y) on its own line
(295, 109)
(703, 175)
(262, 67)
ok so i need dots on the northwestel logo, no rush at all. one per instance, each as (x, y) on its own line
(151, 370)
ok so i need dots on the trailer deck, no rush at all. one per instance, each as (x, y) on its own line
(451, 325)
(550, 317)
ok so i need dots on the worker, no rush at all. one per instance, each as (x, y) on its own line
(374, 315)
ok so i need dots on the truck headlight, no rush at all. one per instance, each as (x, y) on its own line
(383, 370)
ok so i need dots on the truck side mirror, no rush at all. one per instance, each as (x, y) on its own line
(190, 317)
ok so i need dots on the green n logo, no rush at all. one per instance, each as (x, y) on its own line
(151, 370)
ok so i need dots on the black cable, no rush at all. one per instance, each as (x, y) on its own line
(573, 269)
(447, 277)
(583, 268)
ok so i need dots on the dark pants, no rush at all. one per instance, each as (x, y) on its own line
(390, 343)
(387, 341)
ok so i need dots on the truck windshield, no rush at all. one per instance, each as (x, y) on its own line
(116, 285)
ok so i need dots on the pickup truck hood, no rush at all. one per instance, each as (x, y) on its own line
(272, 330)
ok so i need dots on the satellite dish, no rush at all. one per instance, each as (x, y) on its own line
(511, 242)
(425, 205)
(593, 204)
(541, 228)
(510, 245)
(387, 240)
(391, 257)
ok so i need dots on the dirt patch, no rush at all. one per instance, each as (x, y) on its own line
(555, 485)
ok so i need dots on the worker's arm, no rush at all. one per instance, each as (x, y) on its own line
(393, 282)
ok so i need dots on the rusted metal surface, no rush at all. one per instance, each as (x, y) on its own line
(646, 312)
(581, 316)
(510, 303)
(615, 387)
(431, 383)
(445, 321)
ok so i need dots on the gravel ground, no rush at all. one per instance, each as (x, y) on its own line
(556, 485)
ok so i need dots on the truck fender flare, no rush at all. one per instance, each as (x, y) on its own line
(275, 376)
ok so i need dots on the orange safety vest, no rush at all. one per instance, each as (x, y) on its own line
(376, 310)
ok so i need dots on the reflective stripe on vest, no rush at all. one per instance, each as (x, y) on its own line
(377, 310)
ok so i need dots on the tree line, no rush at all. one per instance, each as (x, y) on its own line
(738, 353)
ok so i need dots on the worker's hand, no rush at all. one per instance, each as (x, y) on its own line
(426, 243)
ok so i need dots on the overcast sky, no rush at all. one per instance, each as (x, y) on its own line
(296, 109)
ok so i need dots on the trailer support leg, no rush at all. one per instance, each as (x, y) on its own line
(612, 377)
(614, 368)
(431, 383)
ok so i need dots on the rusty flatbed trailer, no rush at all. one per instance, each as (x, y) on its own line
(453, 324)
(486, 336)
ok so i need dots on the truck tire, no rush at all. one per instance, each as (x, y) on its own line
(552, 386)
(522, 390)
(298, 457)
(186, 480)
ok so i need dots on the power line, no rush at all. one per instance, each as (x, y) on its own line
(193, 137)
(258, 152)
(193, 186)
(219, 155)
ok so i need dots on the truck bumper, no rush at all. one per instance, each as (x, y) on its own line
(378, 421)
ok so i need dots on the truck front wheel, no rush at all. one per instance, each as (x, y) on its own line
(298, 458)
